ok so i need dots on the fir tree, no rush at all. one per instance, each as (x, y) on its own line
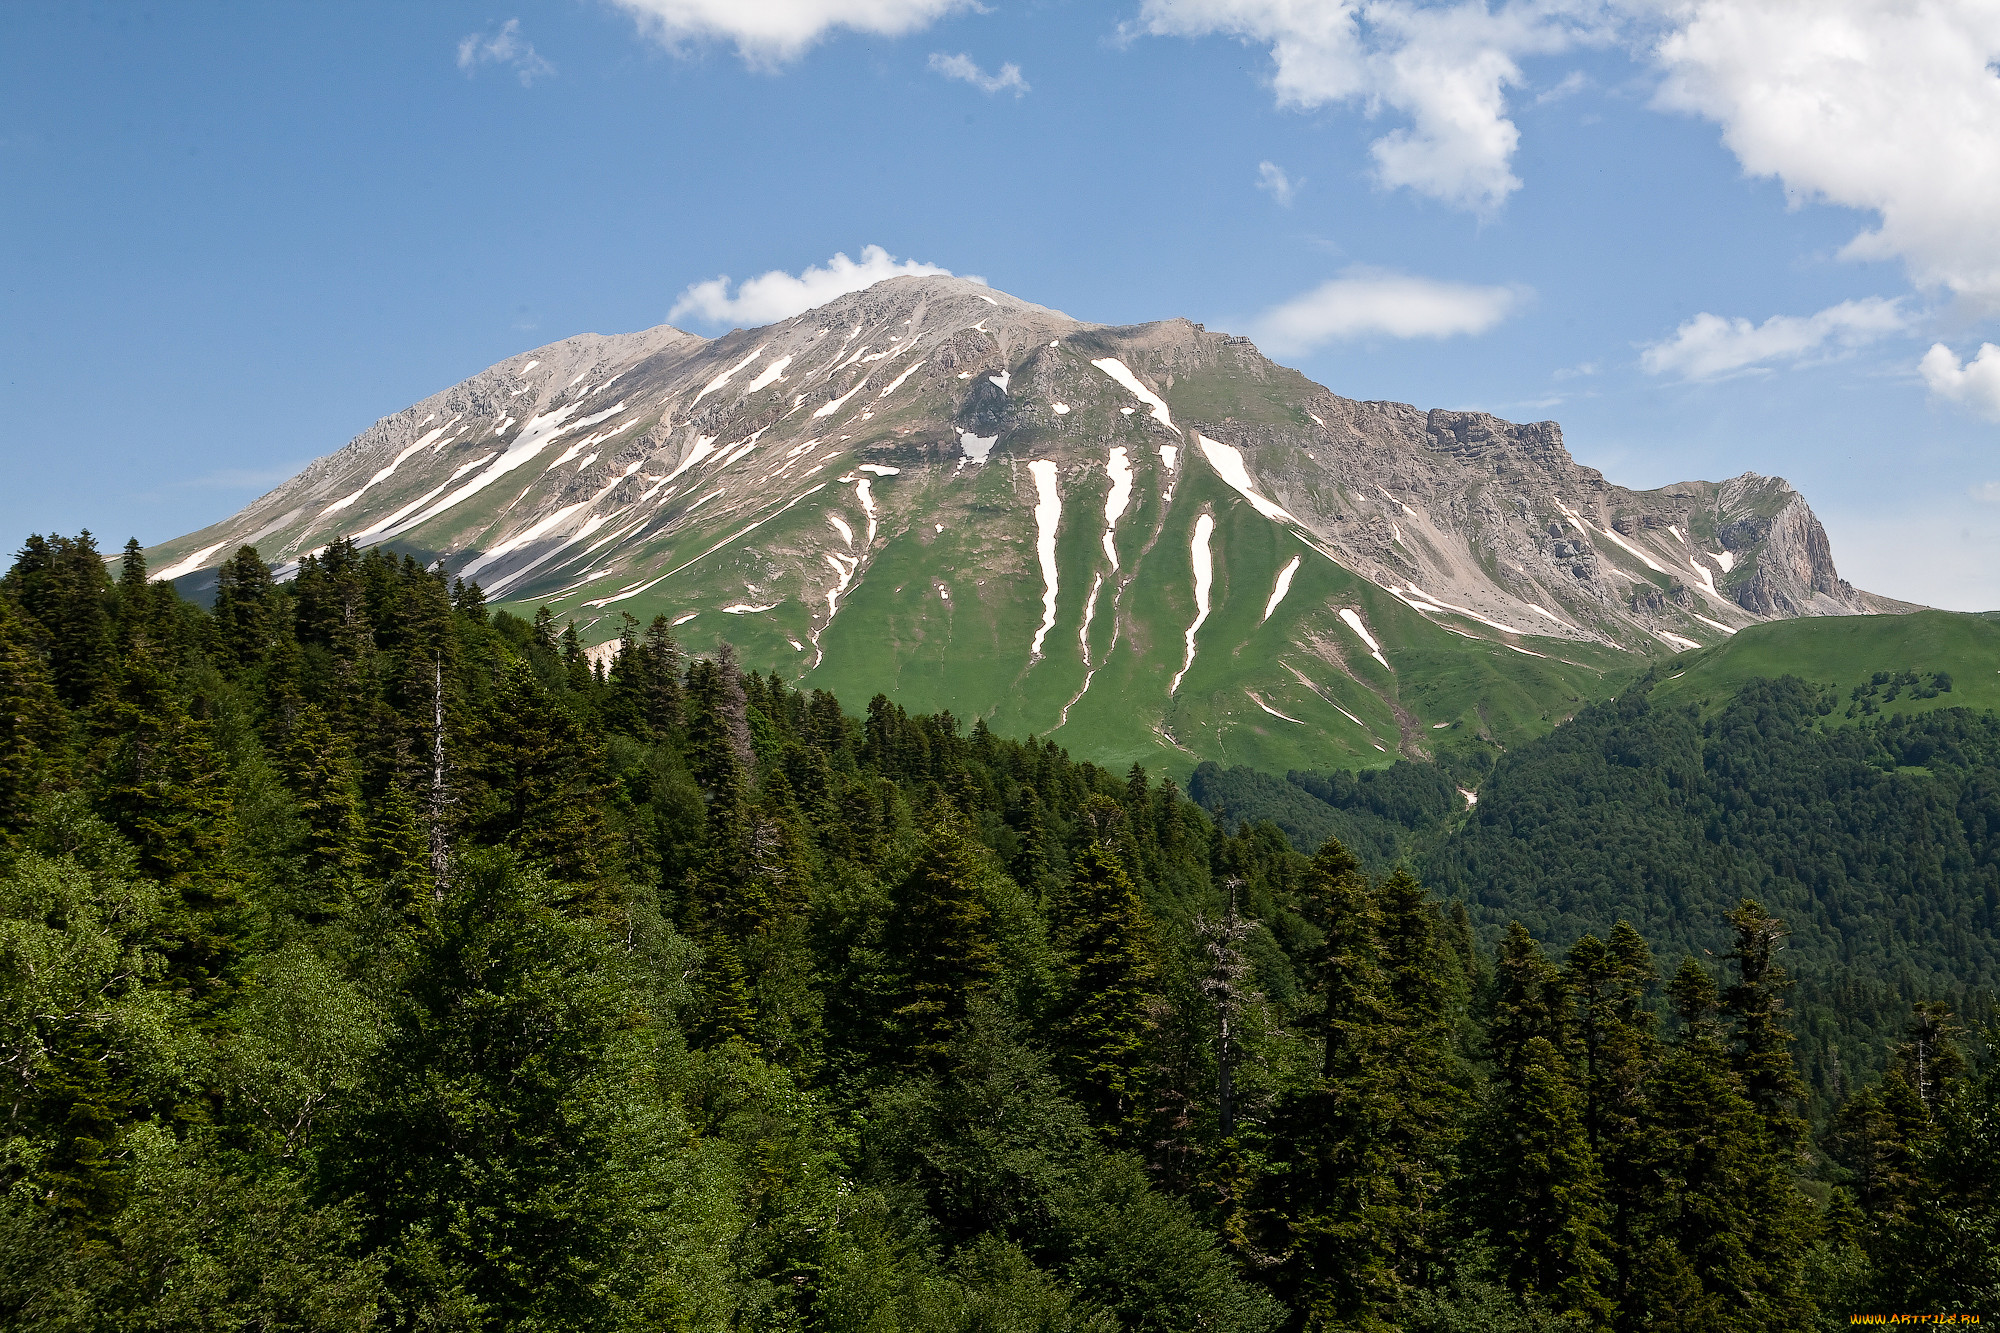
(33, 728)
(1112, 984)
(940, 935)
(1538, 1192)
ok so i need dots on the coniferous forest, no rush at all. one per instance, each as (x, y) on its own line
(372, 960)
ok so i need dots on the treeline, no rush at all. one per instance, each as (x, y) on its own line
(368, 959)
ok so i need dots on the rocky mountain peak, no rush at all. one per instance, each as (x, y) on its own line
(996, 508)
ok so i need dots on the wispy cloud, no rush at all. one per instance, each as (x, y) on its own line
(1272, 180)
(1574, 82)
(963, 68)
(1369, 302)
(1710, 347)
(778, 295)
(507, 49)
(771, 33)
(1974, 384)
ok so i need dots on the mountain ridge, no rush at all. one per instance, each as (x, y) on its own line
(1010, 507)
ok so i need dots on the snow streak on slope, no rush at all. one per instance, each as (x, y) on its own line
(1083, 638)
(771, 375)
(724, 378)
(1354, 623)
(1284, 586)
(428, 438)
(1204, 576)
(190, 563)
(1120, 472)
(1119, 371)
(1048, 512)
(1228, 464)
(534, 437)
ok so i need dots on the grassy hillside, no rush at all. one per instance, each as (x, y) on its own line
(1847, 652)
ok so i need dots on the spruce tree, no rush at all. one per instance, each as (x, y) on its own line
(1112, 984)
(61, 587)
(1331, 1208)
(939, 936)
(1538, 1195)
(543, 779)
(244, 615)
(33, 727)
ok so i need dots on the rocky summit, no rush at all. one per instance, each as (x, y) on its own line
(1147, 543)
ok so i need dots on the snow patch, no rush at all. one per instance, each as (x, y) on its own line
(1003, 379)
(769, 375)
(744, 608)
(839, 525)
(1353, 620)
(1267, 708)
(897, 383)
(1727, 559)
(879, 470)
(190, 563)
(1284, 586)
(867, 499)
(1122, 373)
(1228, 464)
(1048, 512)
(1204, 577)
(977, 447)
(1061, 409)
(1712, 624)
(689, 616)
(1120, 472)
(1676, 640)
(724, 378)
(829, 409)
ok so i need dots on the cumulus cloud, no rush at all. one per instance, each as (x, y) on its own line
(506, 48)
(1884, 106)
(1272, 180)
(1879, 105)
(965, 69)
(771, 33)
(1366, 302)
(1974, 384)
(1710, 347)
(779, 295)
(1446, 68)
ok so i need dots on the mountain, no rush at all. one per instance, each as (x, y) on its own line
(1150, 542)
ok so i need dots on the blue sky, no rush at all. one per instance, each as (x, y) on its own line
(234, 236)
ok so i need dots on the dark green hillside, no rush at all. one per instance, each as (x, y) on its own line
(369, 959)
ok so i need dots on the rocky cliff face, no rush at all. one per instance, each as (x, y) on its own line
(996, 507)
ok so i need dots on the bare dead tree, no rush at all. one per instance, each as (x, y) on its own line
(1222, 984)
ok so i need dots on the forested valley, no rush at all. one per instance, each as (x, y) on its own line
(369, 959)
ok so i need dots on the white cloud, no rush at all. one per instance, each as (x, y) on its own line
(1710, 347)
(1975, 384)
(506, 47)
(779, 295)
(1445, 67)
(965, 69)
(1271, 179)
(770, 33)
(1986, 492)
(1881, 105)
(1365, 302)
(1891, 107)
